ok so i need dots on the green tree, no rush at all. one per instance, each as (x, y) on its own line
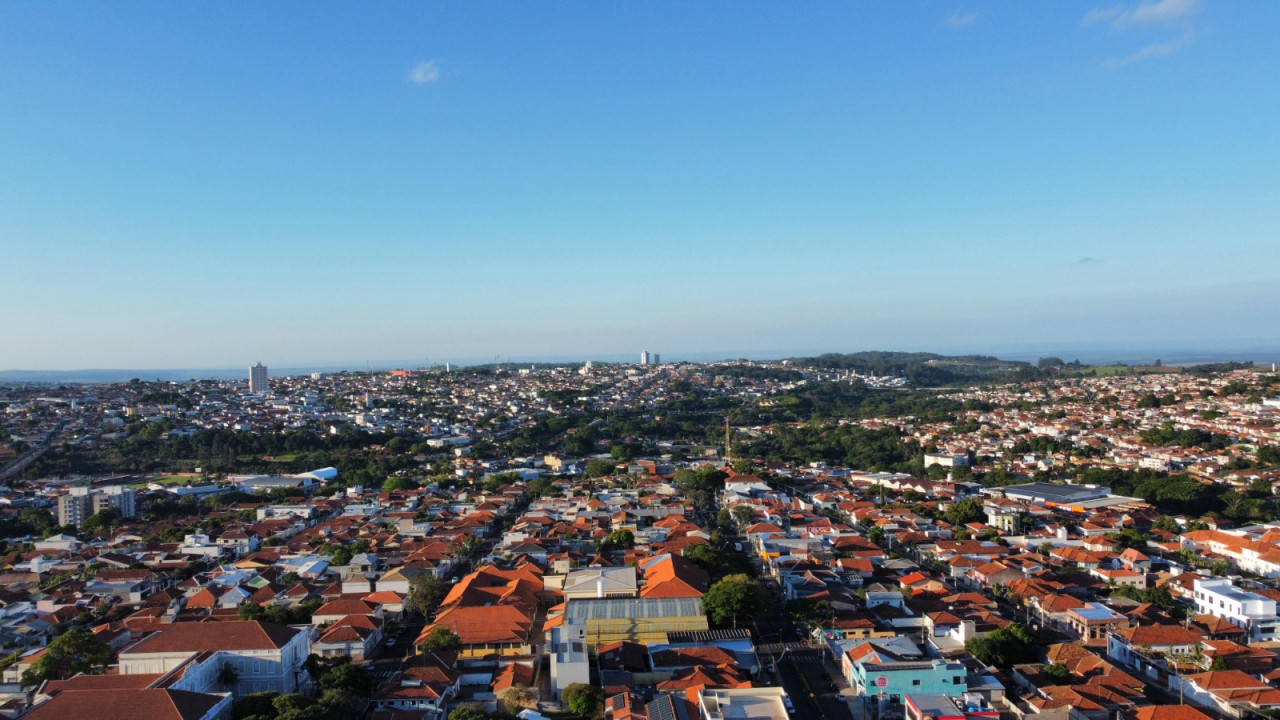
(964, 512)
(350, 679)
(426, 593)
(340, 556)
(1056, 674)
(582, 699)
(734, 597)
(102, 521)
(624, 539)
(471, 711)
(599, 468)
(396, 483)
(1165, 523)
(724, 518)
(743, 515)
(1005, 647)
(876, 534)
(440, 639)
(250, 611)
(257, 705)
(72, 653)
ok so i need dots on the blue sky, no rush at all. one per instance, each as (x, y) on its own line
(189, 186)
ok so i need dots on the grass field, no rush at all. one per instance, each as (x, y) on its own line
(165, 480)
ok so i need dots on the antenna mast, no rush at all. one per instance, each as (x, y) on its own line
(728, 443)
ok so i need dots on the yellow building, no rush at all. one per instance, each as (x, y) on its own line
(641, 620)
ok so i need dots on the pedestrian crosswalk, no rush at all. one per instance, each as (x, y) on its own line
(805, 659)
(772, 648)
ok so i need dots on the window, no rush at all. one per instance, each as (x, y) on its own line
(915, 682)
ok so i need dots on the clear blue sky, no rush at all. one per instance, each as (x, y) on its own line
(190, 185)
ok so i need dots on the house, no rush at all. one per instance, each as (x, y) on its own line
(1093, 621)
(426, 685)
(492, 611)
(354, 636)
(1231, 693)
(1145, 648)
(132, 704)
(264, 656)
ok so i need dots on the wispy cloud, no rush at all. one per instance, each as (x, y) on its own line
(1165, 11)
(1155, 50)
(1160, 12)
(960, 19)
(1152, 15)
(1102, 15)
(425, 72)
(1088, 260)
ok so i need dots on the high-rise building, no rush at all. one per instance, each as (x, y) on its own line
(74, 507)
(644, 357)
(81, 502)
(258, 379)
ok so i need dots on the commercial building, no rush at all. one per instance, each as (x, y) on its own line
(642, 620)
(258, 379)
(1256, 613)
(943, 707)
(885, 671)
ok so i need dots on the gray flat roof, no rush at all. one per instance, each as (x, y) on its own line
(1057, 493)
(622, 608)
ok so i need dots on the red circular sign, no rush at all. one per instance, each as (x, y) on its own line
(882, 681)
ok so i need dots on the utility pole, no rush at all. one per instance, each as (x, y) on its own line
(728, 443)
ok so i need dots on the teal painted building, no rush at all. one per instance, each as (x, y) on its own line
(885, 677)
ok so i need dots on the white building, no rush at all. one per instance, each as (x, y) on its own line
(570, 662)
(258, 379)
(945, 459)
(764, 703)
(1256, 613)
(265, 657)
(82, 501)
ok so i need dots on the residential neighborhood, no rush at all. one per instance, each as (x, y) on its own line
(643, 541)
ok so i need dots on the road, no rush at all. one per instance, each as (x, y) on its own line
(787, 660)
(387, 665)
(25, 459)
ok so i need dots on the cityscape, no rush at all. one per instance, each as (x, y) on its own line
(640, 361)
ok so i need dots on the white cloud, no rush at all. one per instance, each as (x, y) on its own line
(959, 19)
(425, 72)
(1157, 12)
(1155, 50)
(1102, 15)
(1165, 11)
(1151, 15)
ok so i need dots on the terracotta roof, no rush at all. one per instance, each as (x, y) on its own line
(125, 704)
(1160, 635)
(231, 635)
(708, 655)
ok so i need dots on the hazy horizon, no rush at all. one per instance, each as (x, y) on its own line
(1096, 356)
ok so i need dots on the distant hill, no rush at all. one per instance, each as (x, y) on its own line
(925, 369)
